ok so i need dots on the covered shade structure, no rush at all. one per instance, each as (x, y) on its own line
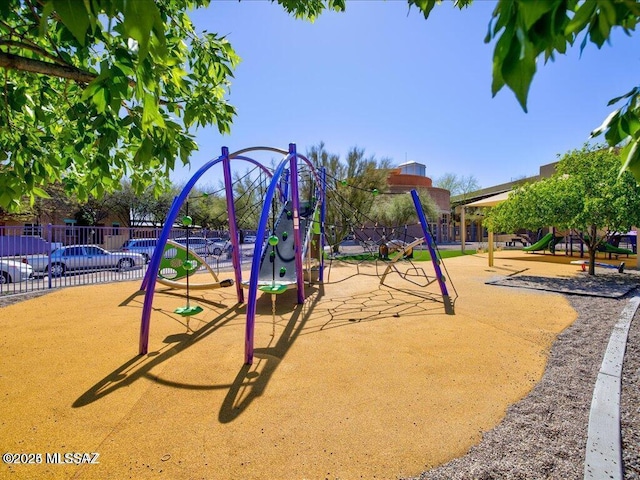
(491, 201)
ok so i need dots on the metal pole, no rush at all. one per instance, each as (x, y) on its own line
(297, 241)
(323, 216)
(233, 227)
(448, 306)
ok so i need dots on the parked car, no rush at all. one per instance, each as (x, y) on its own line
(13, 271)
(250, 239)
(143, 246)
(83, 257)
(219, 245)
(199, 245)
(205, 246)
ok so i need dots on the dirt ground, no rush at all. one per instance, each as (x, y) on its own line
(361, 381)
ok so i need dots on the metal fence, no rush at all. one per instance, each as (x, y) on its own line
(54, 256)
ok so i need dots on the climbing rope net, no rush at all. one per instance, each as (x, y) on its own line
(390, 248)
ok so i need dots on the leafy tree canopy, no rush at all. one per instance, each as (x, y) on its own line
(399, 209)
(97, 90)
(585, 195)
(458, 184)
(94, 91)
(351, 187)
(526, 31)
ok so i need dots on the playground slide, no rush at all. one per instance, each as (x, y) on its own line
(608, 248)
(278, 266)
(542, 244)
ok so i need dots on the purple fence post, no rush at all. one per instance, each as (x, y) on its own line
(297, 240)
(49, 238)
(233, 227)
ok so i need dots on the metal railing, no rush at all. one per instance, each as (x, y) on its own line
(70, 255)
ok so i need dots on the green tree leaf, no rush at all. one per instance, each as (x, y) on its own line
(75, 17)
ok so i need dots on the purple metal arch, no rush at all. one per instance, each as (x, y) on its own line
(149, 282)
(233, 227)
(266, 211)
(255, 263)
(251, 149)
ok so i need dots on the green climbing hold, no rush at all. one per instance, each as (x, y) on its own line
(285, 235)
(273, 240)
(188, 310)
(344, 182)
(187, 221)
(283, 271)
(289, 214)
(272, 255)
(375, 191)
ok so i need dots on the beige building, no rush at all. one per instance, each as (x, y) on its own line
(473, 218)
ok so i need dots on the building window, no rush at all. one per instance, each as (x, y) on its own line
(115, 228)
(413, 168)
(69, 227)
(32, 229)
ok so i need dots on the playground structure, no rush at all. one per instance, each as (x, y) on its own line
(551, 240)
(294, 226)
(547, 242)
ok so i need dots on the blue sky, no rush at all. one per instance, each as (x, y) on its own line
(383, 78)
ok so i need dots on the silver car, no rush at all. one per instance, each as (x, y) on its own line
(13, 271)
(73, 258)
(200, 245)
(143, 246)
(206, 246)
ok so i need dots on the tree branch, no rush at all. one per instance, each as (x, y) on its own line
(16, 62)
(33, 47)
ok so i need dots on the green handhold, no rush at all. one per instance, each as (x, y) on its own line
(187, 221)
(284, 235)
(375, 191)
(273, 240)
(283, 271)
(289, 214)
(188, 311)
(344, 182)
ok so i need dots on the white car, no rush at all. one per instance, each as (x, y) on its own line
(218, 246)
(13, 271)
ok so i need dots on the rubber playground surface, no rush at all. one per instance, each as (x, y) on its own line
(361, 381)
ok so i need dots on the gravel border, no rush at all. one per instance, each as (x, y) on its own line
(544, 435)
(630, 403)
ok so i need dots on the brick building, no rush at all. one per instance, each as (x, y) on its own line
(410, 175)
